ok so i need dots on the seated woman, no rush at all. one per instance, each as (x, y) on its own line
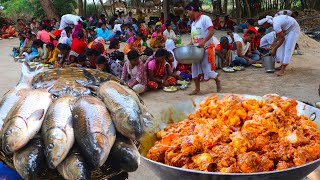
(134, 72)
(223, 53)
(169, 33)
(130, 32)
(156, 70)
(157, 39)
(7, 30)
(78, 46)
(92, 55)
(17, 50)
(142, 29)
(217, 23)
(134, 43)
(63, 55)
(116, 58)
(228, 23)
(28, 43)
(98, 45)
(50, 49)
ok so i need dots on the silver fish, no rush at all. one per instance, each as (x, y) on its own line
(74, 167)
(29, 161)
(9, 99)
(57, 131)
(93, 129)
(25, 119)
(124, 108)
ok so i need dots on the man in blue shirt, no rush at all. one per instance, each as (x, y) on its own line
(103, 32)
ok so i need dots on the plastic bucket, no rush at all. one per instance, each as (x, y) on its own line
(269, 63)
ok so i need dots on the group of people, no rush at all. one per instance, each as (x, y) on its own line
(82, 43)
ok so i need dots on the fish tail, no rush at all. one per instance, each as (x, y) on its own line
(91, 78)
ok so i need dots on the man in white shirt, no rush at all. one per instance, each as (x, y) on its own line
(266, 41)
(287, 34)
(169, 33)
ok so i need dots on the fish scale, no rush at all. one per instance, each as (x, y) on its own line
(57, 124)
(93, 129)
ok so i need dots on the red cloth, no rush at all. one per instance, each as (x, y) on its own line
(78, 46)
(219, 47)
(154, 85)
(57, 32)
(98, 46)
(250, 28)
(229, 24)
(255, 41)
(217, 24)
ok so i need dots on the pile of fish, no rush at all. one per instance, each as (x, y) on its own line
(74, 135)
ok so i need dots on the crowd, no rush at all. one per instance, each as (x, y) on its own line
(147, 60)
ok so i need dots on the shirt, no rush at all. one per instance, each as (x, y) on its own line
(169, 35)
(78, 46)
(117, 27)
(285, 23)
(268, 39)
(105, 34)
(44, 36)
(129, 20)
(199, 29)
(219, 47)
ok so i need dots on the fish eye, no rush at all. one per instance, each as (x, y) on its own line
(9, 132)
(51, 146)
(75, 116)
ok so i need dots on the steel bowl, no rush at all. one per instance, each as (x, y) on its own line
(177, 112)
(188, 54)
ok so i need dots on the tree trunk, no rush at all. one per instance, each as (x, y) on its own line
(219, 7)
(238, 8)
(213, 6)
(80, 7)
(49, 9)
(165, 8)
(104, 9)
(247, 7)
(225, 6)
(94, 3)
(288, 4)
(85, 7)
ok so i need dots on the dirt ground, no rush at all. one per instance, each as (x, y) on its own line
(300, 82)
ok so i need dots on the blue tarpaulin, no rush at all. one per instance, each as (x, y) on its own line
(7, 173)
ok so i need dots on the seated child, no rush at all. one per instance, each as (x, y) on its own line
(34, 50)
(223, 56)
(102, 64)
(170, 67)
(17, 50)
(158, 77)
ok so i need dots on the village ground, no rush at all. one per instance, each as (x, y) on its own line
(301, 81)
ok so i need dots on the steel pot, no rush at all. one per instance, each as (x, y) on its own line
(269, 63)
(177, 112)
(188, 54)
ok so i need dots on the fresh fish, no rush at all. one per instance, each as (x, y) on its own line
(93, 129)
(25, 119)
(74, 167)
(57, 130)
(29, 161)
(12, 96)
(124, 154)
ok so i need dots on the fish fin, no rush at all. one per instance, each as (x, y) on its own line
(37, 115)
(108, 78)
(91, 78)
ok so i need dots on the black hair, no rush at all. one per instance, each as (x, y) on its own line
(49, 28)
(62, 47)
(54, 19)
(130, 12)
(81, 58)
(80, 35)
(295, 12)
(262, 30)
(37, 42)
(133, 54)
(43, 26)
(114, 43)
(68, 29)
(21, 33)
(92, 52)
(250, 32)
(168, 25)
(102, 15)
(223, 39)
(50, 44)
(32, 35)
(140, 34)
(33, 18)
(101, 60)
(19, 20)
(217, 15)
(169, 54)
(148, 52)
(118, 32)
(161, 52)
(251, 22)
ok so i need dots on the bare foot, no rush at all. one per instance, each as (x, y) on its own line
(218, 83)
(195, 92)
(278, 68)
(279, 73)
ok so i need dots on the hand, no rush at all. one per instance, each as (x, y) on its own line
(273, 52)
(165, 83)
(249, 54)
(252, 61)
(201, 45)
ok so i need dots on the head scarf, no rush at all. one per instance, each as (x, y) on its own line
(267, 19)
(63, 37)
(99, 40)
(169, 46)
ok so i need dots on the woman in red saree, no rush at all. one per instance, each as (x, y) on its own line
(156, 70)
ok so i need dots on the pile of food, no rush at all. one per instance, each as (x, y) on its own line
(238, 135)
(75, 135)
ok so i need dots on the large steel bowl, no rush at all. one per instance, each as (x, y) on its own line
(177, 112)
(188, 54)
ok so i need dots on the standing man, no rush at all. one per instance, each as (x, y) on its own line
(201, 35)
(287, 34)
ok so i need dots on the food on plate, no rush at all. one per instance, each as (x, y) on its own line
(170, 88)
(238, 135)
(30, 161)
(228, 69)
(74, 167)
(93, 129)
(257, 65)
(238, 68)
(184, 82)
(57, 131)
(25, 119)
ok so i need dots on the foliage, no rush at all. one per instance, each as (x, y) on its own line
(33, 7)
